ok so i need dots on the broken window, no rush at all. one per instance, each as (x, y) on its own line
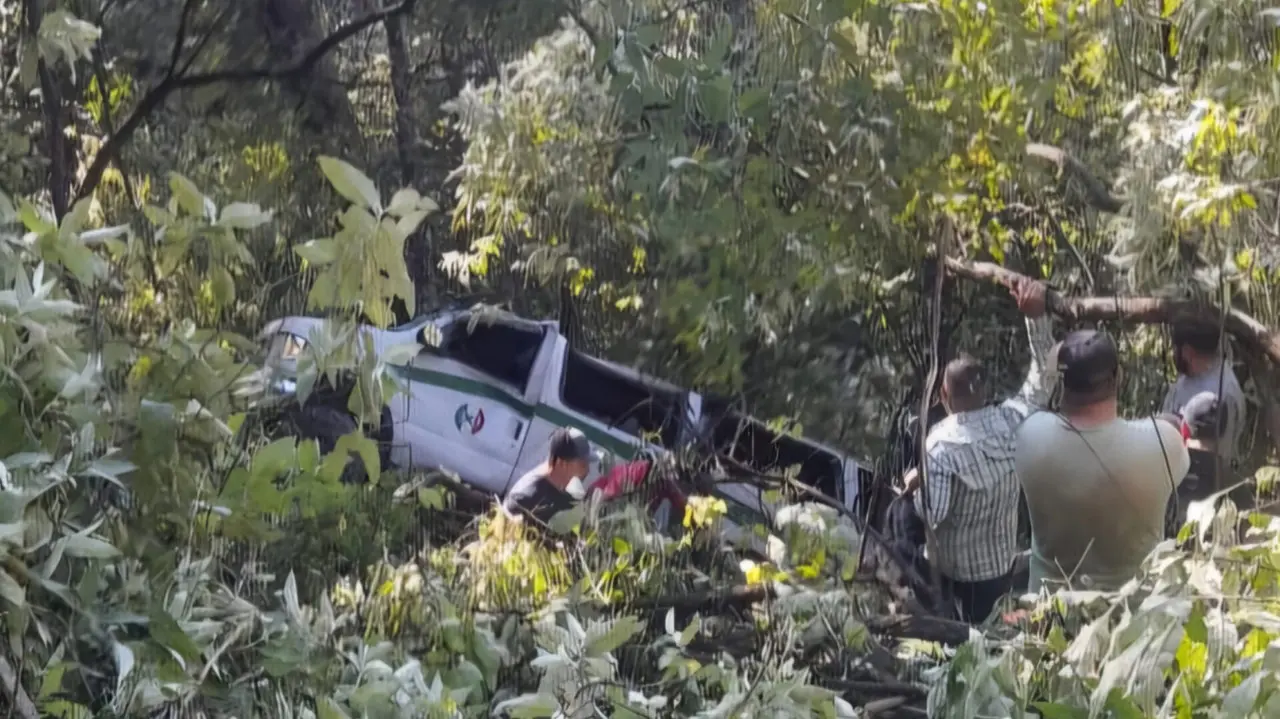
(504, 351)
(644, 409)
(752, 443)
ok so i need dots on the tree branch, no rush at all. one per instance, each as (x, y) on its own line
(51, 100)
(173, 82)
(1133, 310)
(1095, 191)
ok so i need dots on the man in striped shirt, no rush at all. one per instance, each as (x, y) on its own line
(973, 491)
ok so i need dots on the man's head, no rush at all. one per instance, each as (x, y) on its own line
(964, 385)
(569, 457)
(1196, 345)
(1204, 419)
(1090, 368)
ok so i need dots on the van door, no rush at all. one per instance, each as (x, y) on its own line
(467, 408)
(618, 410)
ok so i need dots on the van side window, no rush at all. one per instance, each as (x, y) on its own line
(624, 402)
(764, 450)
(502, 351)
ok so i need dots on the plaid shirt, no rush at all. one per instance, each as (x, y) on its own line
(973, 489)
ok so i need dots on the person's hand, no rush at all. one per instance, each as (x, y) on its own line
(911, 481)
(1031, 296)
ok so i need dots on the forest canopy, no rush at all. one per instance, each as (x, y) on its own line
(800, 205)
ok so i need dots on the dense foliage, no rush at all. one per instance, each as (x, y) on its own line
(747, 197)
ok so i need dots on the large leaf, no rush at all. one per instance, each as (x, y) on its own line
(351, 183)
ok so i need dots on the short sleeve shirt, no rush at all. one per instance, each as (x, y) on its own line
(533, 495)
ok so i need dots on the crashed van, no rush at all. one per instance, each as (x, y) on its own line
(483, 394)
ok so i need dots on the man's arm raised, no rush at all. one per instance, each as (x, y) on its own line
(1042, 375)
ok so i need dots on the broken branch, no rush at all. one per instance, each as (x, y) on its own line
(1132, 310)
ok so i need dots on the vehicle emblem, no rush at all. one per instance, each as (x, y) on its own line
(473, 422)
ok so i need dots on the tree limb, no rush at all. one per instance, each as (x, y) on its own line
(1095, 191)
(173, 81)
(1251, 333)
(51, 101)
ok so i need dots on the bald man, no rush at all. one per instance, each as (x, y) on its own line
(973, 490)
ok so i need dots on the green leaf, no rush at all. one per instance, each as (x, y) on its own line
(1060, 711)
(51, 682)
(1239, 701)
(618, 633)
(528, 706)
(165, 630)
(244, 216)
(274, 459)
(318, 252)
(431, 498)
(189, 197)
(715, 97)
(351, 183)
(11, 591)
(690, 631)
(223, 286)
(363, 446)
(329, 709)
(83, 545)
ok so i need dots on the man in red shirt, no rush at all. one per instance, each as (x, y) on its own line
(630, 477)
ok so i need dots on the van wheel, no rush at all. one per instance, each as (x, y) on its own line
(326, 425)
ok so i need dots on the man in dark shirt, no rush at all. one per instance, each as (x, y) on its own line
(1205, 423)
(541, 494)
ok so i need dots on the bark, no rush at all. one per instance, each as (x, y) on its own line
(291, 26)
(1249, 332)
(398, 56)
(51, 99)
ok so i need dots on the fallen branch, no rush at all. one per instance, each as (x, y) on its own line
(1132, 310)
(903, 626)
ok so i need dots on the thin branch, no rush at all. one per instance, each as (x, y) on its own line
(156, 96)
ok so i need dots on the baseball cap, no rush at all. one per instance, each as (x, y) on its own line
(1204, 417)
(569, 445)
(1087, 359)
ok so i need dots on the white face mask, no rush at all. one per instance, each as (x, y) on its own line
(576, 488)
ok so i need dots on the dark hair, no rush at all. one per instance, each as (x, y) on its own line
(569, 445)
(1090, 366)
(965, 379)
(1202, 336)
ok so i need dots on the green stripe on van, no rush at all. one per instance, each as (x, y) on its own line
(736, 511)
(615, 445)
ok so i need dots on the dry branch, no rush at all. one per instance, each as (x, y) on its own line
(1251, 333)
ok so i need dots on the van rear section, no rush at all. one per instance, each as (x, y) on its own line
(753, 445)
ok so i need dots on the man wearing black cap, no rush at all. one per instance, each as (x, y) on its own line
(542, 492)
(1097, 485)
